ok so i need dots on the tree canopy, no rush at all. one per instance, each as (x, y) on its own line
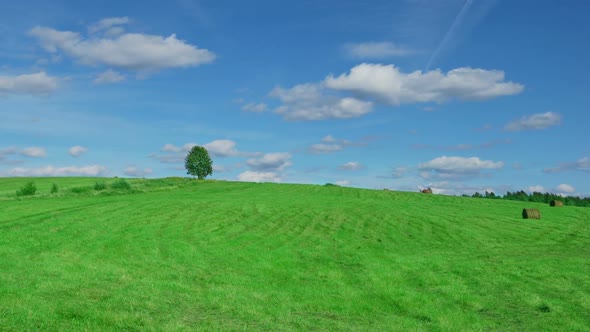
(198, 162)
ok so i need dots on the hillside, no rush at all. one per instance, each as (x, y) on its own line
(181, 254)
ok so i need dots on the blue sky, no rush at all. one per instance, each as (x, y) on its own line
(456, 95)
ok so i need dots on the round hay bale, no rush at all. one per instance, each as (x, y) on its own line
(531, 214)
(556, 202)
(426, 191)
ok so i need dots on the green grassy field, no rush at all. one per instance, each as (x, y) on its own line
(175, 254)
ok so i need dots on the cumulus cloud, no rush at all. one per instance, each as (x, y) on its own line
(374, 50)
(93, 170)
(329, 144)
(171, 148)
(34, 151)
(329, 139)
(270, 162)
(222, 148)
(137, 172)
(256, 108)
(129, 51)
(254, 176)
(311, 102)
(76, 151)
(456, 167)
(172, 154)
(107, 24)
(535, 122)
(351, 166)
(321, 148)
(565, 188)
(188, 146)
(343, 183)
(387, 84)
(582, 164)
(537, 188)
(37, 84)
(109, 76)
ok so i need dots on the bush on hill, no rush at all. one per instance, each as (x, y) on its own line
(121, 184)
(28, 189)
(100, 186)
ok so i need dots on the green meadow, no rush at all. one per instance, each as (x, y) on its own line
(181, 254)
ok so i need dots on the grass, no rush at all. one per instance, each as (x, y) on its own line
(175, 254)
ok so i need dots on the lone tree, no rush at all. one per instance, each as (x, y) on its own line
(198, 163)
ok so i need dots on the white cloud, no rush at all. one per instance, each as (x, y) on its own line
(329, 139)
(329, 144)
(534, 122)
(34, 151)
(107, 24)
(173, 154)
(343, 183)
(565, 188)
(376, 50)
(136, 172)
(537, 188)
(582, 164)
(109, 76)
(387, 84)
(93, 170)
(171, 148)
(310, 102)
(256, 108)
(131, 51)
(270, 162)
(222, 148)
(76, 151)
(188, 146)
(37, 84)
(253, 176)
(351, 166)
(321, 148)
(456, 167)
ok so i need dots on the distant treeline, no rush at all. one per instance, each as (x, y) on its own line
(536, 197)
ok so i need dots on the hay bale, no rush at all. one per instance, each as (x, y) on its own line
(531, 214)
(556, 202)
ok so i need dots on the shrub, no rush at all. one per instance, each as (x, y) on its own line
(54, 189)
(81, 190)
(100, 186)
(121, 184)
(27, 190)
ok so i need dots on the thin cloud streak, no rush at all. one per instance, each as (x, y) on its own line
(458, 19)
